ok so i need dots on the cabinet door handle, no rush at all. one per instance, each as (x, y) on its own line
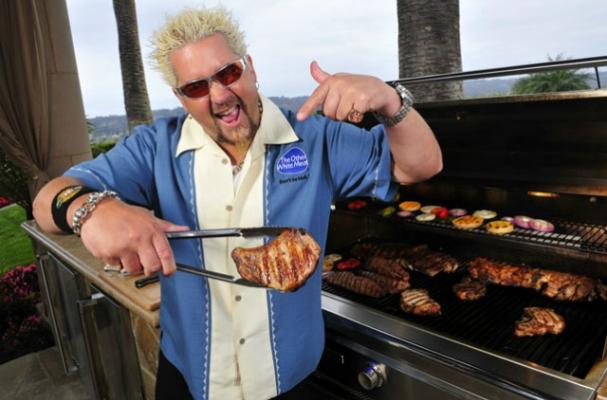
(87, 322)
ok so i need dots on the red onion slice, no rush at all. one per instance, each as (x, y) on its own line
(457, 212)
(522, 221)
(404, 213)
(541, 225)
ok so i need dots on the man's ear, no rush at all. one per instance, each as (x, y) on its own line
(251, 67)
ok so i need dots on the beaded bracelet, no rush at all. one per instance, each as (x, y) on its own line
(88, 207)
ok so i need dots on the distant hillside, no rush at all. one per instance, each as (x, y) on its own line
(115, 126)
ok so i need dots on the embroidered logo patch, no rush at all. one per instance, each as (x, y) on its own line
(295, 161)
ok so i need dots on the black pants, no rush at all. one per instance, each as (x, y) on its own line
(170, 385)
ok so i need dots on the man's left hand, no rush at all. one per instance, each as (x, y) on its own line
(347, 97)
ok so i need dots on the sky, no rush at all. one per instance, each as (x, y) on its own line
(284, 36)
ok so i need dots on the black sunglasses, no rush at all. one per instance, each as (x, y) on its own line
(226, 75)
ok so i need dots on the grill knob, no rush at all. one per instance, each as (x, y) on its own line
(373, 376)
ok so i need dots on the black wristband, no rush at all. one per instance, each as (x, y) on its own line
(62, 201)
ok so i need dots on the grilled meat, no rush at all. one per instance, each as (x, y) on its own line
(554, 284)
(469, 289)
(419, 302)
(354, 283)
(390, 285)
(431, 262)
(284, 264)
(393, 268)
(418, 258)
(537, 321)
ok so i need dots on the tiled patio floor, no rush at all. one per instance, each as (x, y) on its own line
(39, 376)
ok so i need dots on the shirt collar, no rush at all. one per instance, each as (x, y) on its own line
(274, 129)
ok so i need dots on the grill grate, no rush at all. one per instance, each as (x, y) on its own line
(489, 322)
(570, 235)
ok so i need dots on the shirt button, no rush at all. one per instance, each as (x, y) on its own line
(238, 298)
(241, 341)
(229, 207)
(224, 161)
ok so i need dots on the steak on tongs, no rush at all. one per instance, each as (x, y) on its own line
(284, 264)
(419, 302)
(537, 321)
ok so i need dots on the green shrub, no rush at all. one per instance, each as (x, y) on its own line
(16, 247)
(102, 147)
(13, 183)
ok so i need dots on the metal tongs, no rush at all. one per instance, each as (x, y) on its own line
(214, 233)
(227, 232)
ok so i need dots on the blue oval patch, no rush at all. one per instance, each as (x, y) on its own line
(294, 161)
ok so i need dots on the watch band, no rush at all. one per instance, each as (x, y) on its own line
(407, 102)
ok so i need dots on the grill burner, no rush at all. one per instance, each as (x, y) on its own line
(489, 322)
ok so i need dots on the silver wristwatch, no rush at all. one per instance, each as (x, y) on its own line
(407, 103)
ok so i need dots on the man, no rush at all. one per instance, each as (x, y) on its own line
(235, 160)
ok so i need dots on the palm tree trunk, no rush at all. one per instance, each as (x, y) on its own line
(136, 101)
(428, 44)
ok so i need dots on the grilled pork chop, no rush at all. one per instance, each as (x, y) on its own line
(469, 289)
(537, 321)
(283, 264)
(354, 283)
(419, 302)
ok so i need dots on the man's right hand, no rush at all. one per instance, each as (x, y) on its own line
(118, 233)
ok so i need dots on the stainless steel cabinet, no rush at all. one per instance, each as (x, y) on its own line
(92, 331)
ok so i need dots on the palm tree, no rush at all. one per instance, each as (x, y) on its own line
(554, 81)
(136, 101)
(428, 44)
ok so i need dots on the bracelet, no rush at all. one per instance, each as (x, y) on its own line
(63, 199)
(407, 102)
(88, 207)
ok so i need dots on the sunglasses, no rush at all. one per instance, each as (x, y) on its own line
(226, 75)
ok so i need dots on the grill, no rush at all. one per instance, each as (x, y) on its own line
(489, 322)
(498, 154)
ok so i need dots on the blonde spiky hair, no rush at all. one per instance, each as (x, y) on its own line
(188, 26)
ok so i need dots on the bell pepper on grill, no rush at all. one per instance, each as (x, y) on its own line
(440, 212)
(356, 205)
(349, 263)
(386, 212)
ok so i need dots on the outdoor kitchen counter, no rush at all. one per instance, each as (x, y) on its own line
(142, 302)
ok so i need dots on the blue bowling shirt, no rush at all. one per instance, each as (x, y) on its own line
(228, 341)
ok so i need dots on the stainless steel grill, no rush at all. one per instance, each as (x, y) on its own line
(496, 153)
